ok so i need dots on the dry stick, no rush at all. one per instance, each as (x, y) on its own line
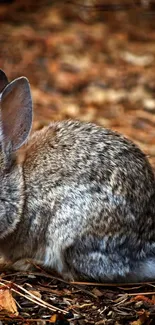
(43, 274)
(29, 295)
(128, 288)
(141, 293)
(46, 275)
(22, 295)
(28, 320)
(110, 284)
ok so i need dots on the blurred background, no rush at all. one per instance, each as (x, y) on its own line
(92, 60)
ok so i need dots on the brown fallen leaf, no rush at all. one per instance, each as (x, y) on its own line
(57, 318)
(53, 318)
(145, 299)
(7, 302)
(143, 317)
(97, 292)
(35, 293)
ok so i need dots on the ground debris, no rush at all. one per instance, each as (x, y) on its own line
(42, 296)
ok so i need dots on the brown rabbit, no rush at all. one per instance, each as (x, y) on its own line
(81, 202)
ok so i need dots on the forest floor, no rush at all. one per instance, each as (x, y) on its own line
(93, 66)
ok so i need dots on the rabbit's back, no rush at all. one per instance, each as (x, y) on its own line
(81, 153)
(95, 164)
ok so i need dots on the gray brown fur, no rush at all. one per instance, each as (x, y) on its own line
(82, 201)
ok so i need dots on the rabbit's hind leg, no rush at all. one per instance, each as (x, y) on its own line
(86, 262)
(96, 266)
(145, 270)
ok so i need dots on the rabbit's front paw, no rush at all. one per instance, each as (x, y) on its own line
(68, 276)
(23, 265)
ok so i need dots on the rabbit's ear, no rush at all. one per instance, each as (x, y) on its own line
(3, 80)
(16, 113)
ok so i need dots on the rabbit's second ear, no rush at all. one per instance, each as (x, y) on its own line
(16, 113)
(3, 80)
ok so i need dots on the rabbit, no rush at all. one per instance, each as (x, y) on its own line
(81, 202)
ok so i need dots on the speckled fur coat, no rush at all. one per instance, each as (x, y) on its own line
(81, 201)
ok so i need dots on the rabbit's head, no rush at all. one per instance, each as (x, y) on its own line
(15, 125)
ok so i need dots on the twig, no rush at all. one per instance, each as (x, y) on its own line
(30, 296)
(99, 284)
(141, 293)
